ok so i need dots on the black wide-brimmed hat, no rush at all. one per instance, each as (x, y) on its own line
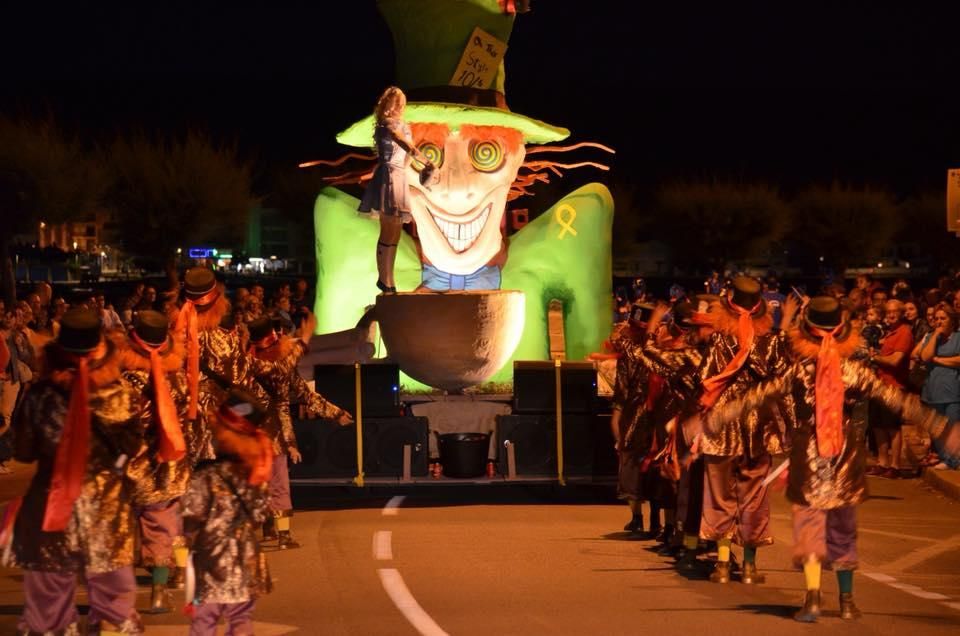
(229, 321)
(640, 313)
(826, 314)
(746, 293)
(80, 331)
(200, 287)
(152, 327)
(260, 328)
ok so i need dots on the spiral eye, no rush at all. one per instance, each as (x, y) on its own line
(432, 152)
(486, 156)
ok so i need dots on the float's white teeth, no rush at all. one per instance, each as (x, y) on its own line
(461, 236)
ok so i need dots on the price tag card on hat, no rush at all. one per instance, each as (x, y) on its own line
(480, 60)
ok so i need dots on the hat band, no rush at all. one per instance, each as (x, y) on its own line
(824, 327)
(749, 310)
(143, 343)
(267, 341)
(206, 298)
(486, 97)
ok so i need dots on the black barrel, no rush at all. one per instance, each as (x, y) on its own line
(464, 455)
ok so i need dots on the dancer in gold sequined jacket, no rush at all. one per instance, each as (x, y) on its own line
(161, 470)
(268, 346)
(828, 447)
(675, 359)
(80, 423)
(629, 429)
(737, 455)
(216, 361)
(223, 507)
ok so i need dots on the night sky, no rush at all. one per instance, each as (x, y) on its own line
(791, 93)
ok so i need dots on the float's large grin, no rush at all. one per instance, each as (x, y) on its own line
(461, 236)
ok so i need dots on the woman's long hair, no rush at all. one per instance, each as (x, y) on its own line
(390, 104)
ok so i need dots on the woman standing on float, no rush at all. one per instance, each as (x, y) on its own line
(386, 194)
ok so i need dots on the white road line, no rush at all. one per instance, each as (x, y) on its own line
(392, 509)
(382, 550)
(915, 590)
(932, 596)
(919, 592)
(400, 595)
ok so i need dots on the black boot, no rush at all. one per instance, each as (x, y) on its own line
(159, 600)
(666, 535)
(286, 542)
(811, 607)
(178, 579)
(269, 529)
(721, 572)
(848, 609)
(750, 576)
(688, 562)
(634, 525)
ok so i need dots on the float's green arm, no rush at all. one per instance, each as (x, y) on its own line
(564, 254)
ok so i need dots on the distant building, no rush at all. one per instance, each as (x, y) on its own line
(280, 241)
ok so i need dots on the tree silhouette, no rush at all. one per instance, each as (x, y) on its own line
(44, 176)
(843, 224)
(925, 235)
(712, 223)
(173, 194)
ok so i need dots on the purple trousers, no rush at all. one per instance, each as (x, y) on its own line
(48, 599)
(159, 523)
(735, 503)
(237, 616)
(830, 535)
(690, 498)
(279, 486)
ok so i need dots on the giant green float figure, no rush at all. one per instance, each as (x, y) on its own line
(479, 147)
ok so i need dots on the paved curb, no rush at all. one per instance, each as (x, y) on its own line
(946, 481)
(943, 483)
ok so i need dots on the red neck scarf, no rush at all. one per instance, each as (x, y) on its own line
(70, 462)
(187, 321)
(262, 465)
(172, 446)
(713, 387)
(829, 395)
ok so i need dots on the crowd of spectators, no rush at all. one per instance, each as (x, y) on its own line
(27, 325)
(911, 338)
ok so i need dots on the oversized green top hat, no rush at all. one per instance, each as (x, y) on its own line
(430, 37)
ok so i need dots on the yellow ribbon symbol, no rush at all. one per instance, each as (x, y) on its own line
(565, 215)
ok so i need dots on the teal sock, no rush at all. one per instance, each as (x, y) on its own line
(845, 581)
(749, 555)
(160, 575)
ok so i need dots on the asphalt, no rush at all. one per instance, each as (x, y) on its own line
(536, 560)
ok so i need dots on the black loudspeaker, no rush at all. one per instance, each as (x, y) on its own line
(605, 458)
(330, 450)
(535, 386)
(534, 438)
(380, 385)
(327, 449)
(387, 437)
